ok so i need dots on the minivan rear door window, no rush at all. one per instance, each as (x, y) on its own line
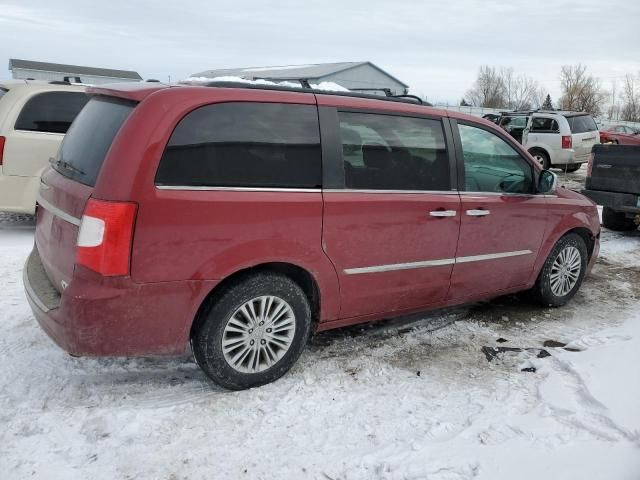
(245, 145)
(51, 112)
(88, 140)
(581, 123)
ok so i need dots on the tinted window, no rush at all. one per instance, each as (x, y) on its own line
(89, 138)
(491, 164)
(548, 125)
(51, 112)
(245, 145)
(385, 152)
(581, 124)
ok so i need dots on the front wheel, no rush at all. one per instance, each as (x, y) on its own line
(254, 332)
(562, 272)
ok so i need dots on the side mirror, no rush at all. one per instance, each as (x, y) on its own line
(547, 182)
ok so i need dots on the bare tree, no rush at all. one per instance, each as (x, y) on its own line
(580, 92)
(488, 90)
(631, 98)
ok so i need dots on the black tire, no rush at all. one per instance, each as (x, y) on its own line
(206, 340)
(617, 220)
(572, 168)
(541, 157)
(542, 290)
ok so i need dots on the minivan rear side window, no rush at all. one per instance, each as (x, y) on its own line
(388, 152)
(51, 112)
(544, 125)
(235, 144)
(86, 144)
(581, 124)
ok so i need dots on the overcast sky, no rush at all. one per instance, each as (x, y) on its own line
(435, 47)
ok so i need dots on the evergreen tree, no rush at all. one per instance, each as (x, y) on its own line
(547, 105)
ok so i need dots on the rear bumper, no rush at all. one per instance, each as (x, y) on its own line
(620, 202)
(99, 316)
(568, 157)
(18, 194)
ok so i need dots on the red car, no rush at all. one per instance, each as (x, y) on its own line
(242, 219)
(621, 134)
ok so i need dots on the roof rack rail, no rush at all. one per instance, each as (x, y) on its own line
(387, 93)
(252, 86)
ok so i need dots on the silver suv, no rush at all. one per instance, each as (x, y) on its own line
(554, 138)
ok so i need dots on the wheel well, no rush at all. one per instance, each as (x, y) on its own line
(532, 150)
(299, 275)
(587, 236)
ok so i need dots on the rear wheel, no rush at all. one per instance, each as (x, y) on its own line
(542, 158)
(562, 272)
(572, 168)
(254, 332)
(617, 220)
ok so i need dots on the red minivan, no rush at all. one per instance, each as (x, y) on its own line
(241, 219)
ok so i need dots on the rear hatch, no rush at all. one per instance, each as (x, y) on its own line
(68, 184)
(584, 135)
(615, 168)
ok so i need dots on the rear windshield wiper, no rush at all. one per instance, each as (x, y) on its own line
(65, 165)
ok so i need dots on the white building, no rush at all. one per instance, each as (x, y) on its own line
(27, 69)
(351, 75)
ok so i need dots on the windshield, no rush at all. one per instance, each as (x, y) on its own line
(581, 124)
(88, 140)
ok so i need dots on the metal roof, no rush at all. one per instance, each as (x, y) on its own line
(289, 72)
(72, 69)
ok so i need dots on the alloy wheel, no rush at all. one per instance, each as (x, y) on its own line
(258, 334)
(565, 271)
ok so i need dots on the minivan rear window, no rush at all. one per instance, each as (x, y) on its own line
(51, 112)
(88, 140)
(581, 124)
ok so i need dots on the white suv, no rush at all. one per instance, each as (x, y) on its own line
(34, 116)
(554, 138)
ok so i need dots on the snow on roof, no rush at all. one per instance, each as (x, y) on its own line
(325, 86)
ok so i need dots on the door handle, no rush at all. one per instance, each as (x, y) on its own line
(443, 213)
(478, 213)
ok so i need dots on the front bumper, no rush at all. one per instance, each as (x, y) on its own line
(103, 316)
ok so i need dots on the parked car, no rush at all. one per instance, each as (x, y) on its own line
(555, 138)
(620, 134)
(492, 117)
(34, 116)
(613, 181)
(243, 219)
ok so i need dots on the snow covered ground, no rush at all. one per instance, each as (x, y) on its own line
(413, 398)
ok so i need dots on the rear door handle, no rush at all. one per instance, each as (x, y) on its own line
(478, 213)
(443, 213)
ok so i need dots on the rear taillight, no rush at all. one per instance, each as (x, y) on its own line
(590, 164)
(2, 140)
(105, 237)
(566, 141)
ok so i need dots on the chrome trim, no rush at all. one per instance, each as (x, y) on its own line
(29, 289)
(443, 213)
(400, 266)
(500, 194)
(237, 189)
(434, 263)
(478, 213)
(57, 212)
(492, 256)
(38, 133)
(364, 190)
